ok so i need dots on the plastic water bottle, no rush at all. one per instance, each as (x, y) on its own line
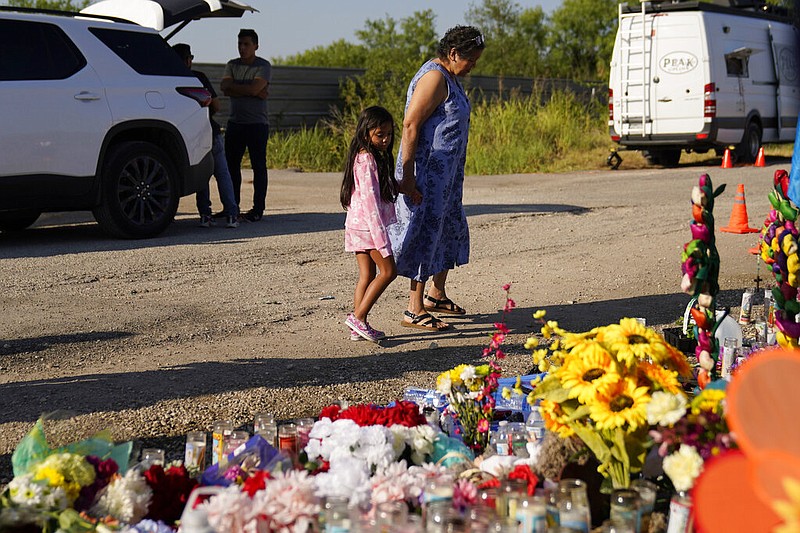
(535, 424)
(499, 441)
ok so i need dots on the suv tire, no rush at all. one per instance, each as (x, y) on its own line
(139, 191)
(18, 220)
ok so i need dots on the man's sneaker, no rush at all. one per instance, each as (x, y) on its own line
(232, 222)
(361, 328)
(221, 214)
(253, 216)
(206, 221)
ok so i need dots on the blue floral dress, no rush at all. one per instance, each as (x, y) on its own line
(433, 236)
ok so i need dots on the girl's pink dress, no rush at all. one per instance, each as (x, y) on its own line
(368, 215)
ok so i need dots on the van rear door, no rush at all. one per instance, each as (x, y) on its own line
(680, 62)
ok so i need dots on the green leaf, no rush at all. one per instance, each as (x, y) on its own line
(594, 441)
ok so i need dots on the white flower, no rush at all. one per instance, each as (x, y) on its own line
(468, 374)
(665, 408)
(445, 384)
(126, 498)
(683, 467)
(23, 490)
(348, 477)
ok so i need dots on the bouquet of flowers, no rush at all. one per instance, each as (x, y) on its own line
(598, 386)
(470, 392)
(688, 434)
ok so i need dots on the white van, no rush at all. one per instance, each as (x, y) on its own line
(697, 76)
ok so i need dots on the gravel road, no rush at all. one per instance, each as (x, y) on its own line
(154, 338)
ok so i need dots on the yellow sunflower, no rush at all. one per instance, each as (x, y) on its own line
(555, 419)
(571, 340)
(629, 341)
(658, 377)
(591, 373)
(624, 405)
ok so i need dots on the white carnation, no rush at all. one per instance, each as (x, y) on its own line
(683, 467)
(665, 408)
(126, 498)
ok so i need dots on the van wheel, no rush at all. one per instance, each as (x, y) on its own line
(653, 157)
(747, 150)
(139, 191)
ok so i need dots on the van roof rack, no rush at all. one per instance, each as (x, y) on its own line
(754, 8)
(56, 12)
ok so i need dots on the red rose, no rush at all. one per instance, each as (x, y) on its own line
(171, 489)
(332, 412)
(256, 482)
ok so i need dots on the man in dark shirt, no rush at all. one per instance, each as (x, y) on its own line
(230, 212)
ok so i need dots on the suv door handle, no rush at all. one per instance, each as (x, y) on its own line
(87, 96)
(665, 99)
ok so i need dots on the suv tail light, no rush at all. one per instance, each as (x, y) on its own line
(199, 95)
(709, 100)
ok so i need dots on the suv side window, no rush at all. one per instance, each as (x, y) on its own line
(36, 51)
(146, 53)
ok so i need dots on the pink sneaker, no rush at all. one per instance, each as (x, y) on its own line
(355, 336)
(361, 328)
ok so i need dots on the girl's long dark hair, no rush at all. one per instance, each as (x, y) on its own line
(371, 118)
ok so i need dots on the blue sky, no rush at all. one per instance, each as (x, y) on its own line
(285, 28)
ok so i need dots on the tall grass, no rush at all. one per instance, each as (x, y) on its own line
(516, 135)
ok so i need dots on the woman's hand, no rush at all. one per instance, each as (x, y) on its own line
(409, 188)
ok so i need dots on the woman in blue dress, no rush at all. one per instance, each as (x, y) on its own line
(431, 236)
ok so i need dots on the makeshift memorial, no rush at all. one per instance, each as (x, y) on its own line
(779, 251)
(598, 386)
(700, 266)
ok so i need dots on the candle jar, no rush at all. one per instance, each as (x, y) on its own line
(390, 514)
(194, 457)
(488, 497)
(647, 501)
(234, 440)
(304, 426)
(220, 430)
(262, 420)
(152, 456)
(508, 493)
(532, 514)
(336, 515)
(625, 507)
(573, 505)
(287, 439)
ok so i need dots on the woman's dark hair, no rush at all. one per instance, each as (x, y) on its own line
(464, 39)
(371, 118)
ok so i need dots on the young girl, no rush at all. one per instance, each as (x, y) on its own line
(369, 191)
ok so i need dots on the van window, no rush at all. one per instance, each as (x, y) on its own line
(736, 66)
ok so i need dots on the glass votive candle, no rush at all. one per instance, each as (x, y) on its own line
(573, 504)
(647, 501)
(261, 420)
(508, 493)
(152, 456)
(287, 439)
(532, 513)
(220, 430)
(234, 440)
(617, 526)
(304, 426)
(488, 497)
(270, 433)
(194, 456)
(625, 507)
(390, 514)
(336, 514)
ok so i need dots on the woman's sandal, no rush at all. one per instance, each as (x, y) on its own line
(445, 305)
(423, 321)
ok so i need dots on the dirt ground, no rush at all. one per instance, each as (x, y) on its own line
(153, 338)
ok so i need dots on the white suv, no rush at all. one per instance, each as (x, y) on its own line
(97, 115)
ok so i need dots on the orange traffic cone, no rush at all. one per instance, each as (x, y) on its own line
(727, 159)
(739, 222)
(760, 160)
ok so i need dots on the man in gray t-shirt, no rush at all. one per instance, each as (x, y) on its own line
(246, 82)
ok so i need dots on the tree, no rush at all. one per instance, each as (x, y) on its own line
(58, 5)
(338, 54)
(515, 38)
(582, 38)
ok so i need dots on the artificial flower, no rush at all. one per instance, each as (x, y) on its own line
(171, 490)
(629, 340)
(665, 408)
(623, 406)
(127, 498)
(683, 467)
(66, 470)
(590, 375)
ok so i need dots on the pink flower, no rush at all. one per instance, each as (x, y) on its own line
(506, 287)
(483, 425)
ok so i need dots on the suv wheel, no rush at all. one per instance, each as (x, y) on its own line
(18, 220)
(139, 191)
